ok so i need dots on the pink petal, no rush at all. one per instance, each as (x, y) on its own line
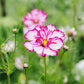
(51, 27)
(56, 44)
(34, 12)
(25, 30)
(42, 17)
(28, 16)
(32, 26)
(43, 35)
(38, 49)
(49, 52)
(29, 46)
(59, 34)
(31, 35)
(38, 27)
(28, 22)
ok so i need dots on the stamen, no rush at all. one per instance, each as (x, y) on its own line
(45, 42)
(36, 21)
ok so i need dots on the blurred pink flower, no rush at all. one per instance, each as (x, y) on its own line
(45, 40)
(35, 17)
(72, 31)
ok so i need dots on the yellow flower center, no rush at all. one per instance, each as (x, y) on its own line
(36, 21)
(45, 42)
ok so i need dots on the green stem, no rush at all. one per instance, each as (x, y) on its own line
(26, 81)
(8, 73)
(45, 70)
(58, 66)
(74, 15)
(24, 48)
(14, 49)
(8, 78)
(0, 48)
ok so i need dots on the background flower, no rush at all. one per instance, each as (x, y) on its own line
(19, 63)
(8, 47)
(35, 17)
(78, 70)
(69, 32)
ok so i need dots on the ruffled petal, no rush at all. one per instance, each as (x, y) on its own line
(34, 13)
(38, 49)
(59, 34)
(28, 16)
(28, 22)
(31, 35)
(29, 46)
(25, 30)
(49, 52)
(51, 27)
(56, 44)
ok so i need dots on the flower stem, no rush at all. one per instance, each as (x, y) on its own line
(26, 81)
(8, 74)
(8, 78)
(58, 66)
(14, 49)
(0, 49)
(45, 70)
(74, 15)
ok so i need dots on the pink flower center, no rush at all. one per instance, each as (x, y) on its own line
(36, 21)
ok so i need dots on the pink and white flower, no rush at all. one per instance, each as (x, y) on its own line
(44, 40)
(34, 18)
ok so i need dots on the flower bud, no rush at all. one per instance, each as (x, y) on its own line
(65, 47)
(25, 65)
(15, 30)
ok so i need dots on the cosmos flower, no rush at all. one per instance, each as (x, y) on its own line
(9, 46)
(34, 18)
(44, 40)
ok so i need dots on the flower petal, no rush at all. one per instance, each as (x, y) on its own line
(49, 52)
(38, 49)
(51, 27)
(29, 46)
(25, 30)
(30, 35)
(56, 44)
(34, 12)
(28, 22)
(58, 33)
